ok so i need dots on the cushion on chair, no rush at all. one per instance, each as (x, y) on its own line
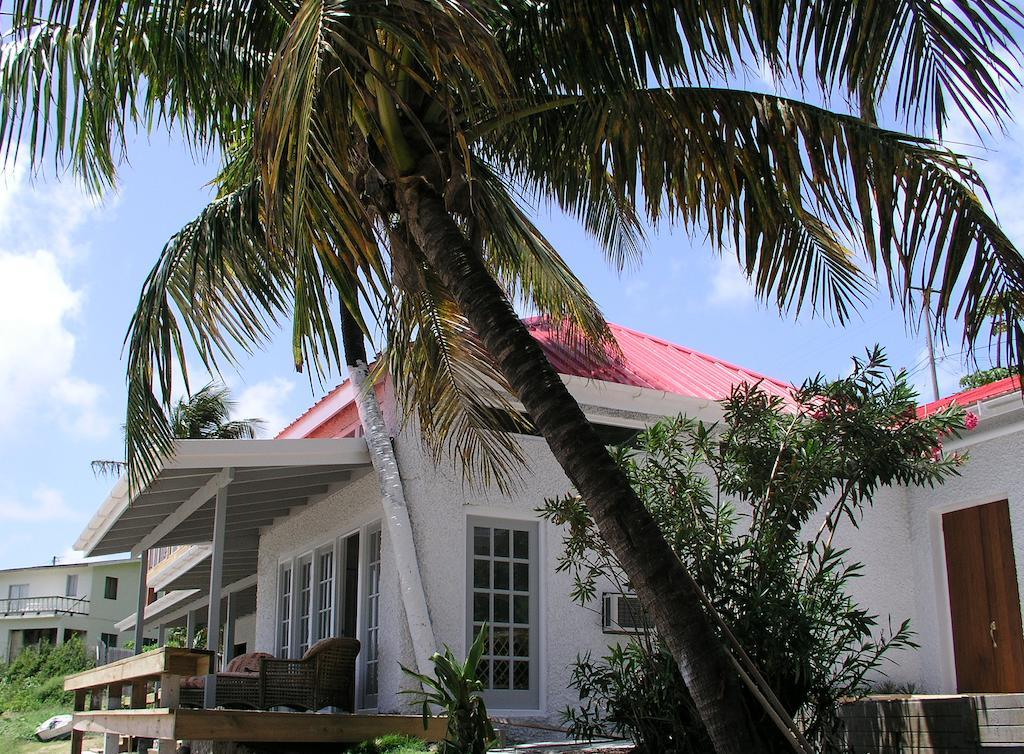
(243, 665)
(247, 663)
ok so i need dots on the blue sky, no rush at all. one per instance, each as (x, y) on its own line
(71, 269)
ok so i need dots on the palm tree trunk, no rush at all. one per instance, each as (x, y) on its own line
(661, 581)
(392, 494)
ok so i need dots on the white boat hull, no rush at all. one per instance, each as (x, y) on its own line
(55, 728)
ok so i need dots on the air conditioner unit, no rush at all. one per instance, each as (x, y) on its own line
(621, 614)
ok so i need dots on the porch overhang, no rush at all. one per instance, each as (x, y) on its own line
(264, 480)
(172, 608)
(160, 608)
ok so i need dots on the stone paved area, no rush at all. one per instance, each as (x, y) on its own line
(554, 747)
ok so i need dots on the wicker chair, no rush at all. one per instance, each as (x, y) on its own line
(238, 687)
(324, 677)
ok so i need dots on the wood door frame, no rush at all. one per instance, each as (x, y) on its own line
(944, 618)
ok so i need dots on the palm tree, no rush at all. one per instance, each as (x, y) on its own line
(204, 415)
(377, 152)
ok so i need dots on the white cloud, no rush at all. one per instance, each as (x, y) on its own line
(38, 307)
(266, 400)
(45, 505)
(729, 284)
(1000, 161)
(44, 215)
(87, 417)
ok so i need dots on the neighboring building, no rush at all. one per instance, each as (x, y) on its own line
(306, 553)
(56, 602)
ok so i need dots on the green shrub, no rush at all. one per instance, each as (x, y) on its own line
(735, 501)
(392, 743)
(457, 690)
(35, 678)
(984, 377)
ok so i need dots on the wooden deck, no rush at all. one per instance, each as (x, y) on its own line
(155, 678)
(254, 726)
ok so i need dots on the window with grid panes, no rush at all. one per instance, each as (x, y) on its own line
(503, 591)
(371, 630)
(284, 611)
(305, 604)
(324, 593)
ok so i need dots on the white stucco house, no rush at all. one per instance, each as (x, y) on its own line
(53, 603)
(290, 535)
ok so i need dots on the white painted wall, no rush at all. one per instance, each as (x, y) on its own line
(51, 581)
(994, 471)
(896, 542)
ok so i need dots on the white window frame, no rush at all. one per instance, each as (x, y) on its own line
(302, 638)
(285, 602)
(71, 585)
(325, 590)
(511, 700)
(369, 606)
(290, 560)
(17, 592)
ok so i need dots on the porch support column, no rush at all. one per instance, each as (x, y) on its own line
(229, 628)
(161, 635)
(140, 612)
(190, 628)
(216, 580)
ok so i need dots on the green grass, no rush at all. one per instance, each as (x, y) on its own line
(21, 726)
(17, 732)
(391, 744)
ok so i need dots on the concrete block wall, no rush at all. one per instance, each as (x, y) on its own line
(954, 724)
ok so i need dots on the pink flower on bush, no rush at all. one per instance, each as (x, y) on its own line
(818, 414)
(937, 452)
(970, 421)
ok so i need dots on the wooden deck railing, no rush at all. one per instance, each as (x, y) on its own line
(100, 695)
(155, 678)
(44, 605)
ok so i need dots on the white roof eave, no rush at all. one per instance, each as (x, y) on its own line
(206, 454)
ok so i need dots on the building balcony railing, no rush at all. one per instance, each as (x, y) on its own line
(160, 556)
(51, 605)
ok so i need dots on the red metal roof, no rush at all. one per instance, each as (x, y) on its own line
(653, 363)
(644, 361)
(972, 396)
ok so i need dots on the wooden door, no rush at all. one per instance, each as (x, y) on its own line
(984, 605)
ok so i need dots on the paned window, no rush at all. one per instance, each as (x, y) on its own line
(305, 605)
(503, 595)
(17, 593)
(371, 620)
(284, 611)
(325, 593)
(71, 585)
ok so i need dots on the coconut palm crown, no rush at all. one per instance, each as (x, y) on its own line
(380, 153)
(204, 415)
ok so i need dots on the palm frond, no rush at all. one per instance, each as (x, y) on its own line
(76, 82)
(800, 192)
(445, 380)
(579, 46)
(940, 58)
(529, 267)
(218, 277)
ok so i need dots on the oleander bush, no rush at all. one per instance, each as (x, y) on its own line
(752, 506)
